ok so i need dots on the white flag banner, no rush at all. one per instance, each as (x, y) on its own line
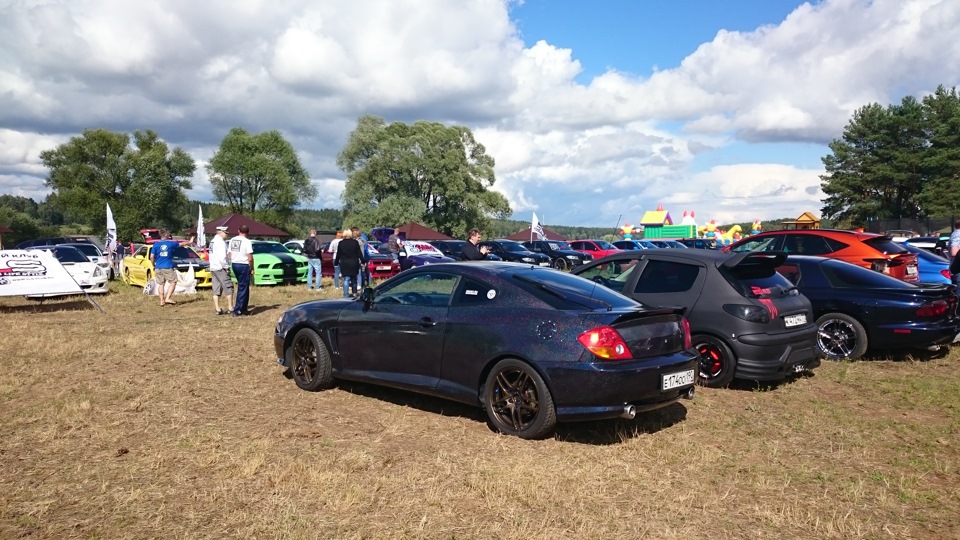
(34, 272)
(536, 229)
(111, 231)
(201, 234)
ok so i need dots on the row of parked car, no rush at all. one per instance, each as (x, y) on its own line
(534, 346)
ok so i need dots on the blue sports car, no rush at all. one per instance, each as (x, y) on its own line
(859, 309)
(931, 267)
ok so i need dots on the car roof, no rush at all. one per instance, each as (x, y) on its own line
(706, 256)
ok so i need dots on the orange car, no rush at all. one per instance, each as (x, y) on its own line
(874, 251)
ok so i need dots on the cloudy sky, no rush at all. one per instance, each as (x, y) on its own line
(594, 111)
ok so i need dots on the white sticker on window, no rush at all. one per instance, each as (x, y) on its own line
(491, 293)
(470, 292)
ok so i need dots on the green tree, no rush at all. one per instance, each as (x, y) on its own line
(259, 176)
(144, 183)
(941, 196)
(428, 172)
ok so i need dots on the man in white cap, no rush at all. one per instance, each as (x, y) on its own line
(219, 271)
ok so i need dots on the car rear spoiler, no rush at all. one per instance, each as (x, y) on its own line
(765, 258)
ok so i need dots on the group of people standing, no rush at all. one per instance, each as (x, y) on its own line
(350, 253)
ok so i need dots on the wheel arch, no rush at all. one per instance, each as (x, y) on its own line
(488, 367)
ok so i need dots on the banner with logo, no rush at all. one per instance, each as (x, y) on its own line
(35, 271)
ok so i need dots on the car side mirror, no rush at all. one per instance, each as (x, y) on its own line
(367, 295)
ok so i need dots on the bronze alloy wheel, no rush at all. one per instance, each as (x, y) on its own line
(518, 401)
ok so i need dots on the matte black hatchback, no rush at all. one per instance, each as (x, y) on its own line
(747, 320)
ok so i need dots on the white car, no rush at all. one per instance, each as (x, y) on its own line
(94, 254)
(88, 274)
(295, 246)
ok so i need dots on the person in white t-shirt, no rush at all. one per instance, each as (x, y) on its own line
(220, 271)
(240, 254)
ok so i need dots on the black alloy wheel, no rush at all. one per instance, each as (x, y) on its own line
(560, 263)
(717, 362)
(518, 401)
(309, 361)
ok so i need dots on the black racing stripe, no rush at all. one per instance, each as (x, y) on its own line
(284, 257)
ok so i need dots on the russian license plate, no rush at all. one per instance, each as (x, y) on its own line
(794, 320)
(544, 264)
(383, 269)
(911, 270)
(670, 381)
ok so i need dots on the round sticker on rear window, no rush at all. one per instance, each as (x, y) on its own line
(491, 293)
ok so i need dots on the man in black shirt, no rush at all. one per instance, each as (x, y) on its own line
(472, 252)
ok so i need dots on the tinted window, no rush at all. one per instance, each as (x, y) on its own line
(183, 252)
(667, 277)
(755, 279)
(885, 245)
(512, 246)
(766, 243)
(66, 254)
(791, 272)
(604, 245)
(613, 274)
(579, 293)
(422, 289)
(89, 250)
(846, 275)
(806, 244)
(474, 292)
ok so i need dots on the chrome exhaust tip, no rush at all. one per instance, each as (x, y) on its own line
(629, 412)
(689, 393)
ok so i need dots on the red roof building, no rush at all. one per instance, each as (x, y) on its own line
(233, 223)
(416, 231)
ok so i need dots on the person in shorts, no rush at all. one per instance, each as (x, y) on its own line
(161, 254)
(220, 271)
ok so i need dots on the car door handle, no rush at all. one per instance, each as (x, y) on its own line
(427, 322)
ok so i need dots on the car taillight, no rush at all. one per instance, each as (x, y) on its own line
(687, 338)
(945, 273)
(605, 342)
(752, 313)
(933, 309)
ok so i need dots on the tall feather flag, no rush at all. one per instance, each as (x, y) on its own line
(111, 231)
(201, 234)
(536, 229)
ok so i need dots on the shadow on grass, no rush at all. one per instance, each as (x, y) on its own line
(596, 432)
(47, 306)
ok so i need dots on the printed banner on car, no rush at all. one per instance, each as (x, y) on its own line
(34, 271)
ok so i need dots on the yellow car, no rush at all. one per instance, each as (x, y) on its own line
(138, 268)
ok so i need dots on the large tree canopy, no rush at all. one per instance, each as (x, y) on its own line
(901, 161)
(259, 176)
(144, 184)
(428, 172)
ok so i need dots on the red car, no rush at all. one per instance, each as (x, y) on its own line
(875, 251)
(597, 248)
(381, 266)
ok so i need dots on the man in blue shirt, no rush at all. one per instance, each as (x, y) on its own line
(161, 254)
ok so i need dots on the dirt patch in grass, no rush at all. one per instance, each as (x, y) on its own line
(150, 422)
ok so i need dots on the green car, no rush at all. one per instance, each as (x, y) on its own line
(274, 264)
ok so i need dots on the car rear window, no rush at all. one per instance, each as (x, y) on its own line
(885, 245)
(752, 280)
(579, 293)
(667, 277)
(844, 275)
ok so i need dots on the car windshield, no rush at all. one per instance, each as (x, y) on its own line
(67, 254)
(184, 252)
(269, 247)
(602, 244)
(558, 245)
(422, 248)
(513, 246)
(89, 250)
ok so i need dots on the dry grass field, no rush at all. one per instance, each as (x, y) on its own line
(150, 422)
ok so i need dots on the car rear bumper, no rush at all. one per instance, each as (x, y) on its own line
(764, 357)
(601, 389)
(905, 336)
